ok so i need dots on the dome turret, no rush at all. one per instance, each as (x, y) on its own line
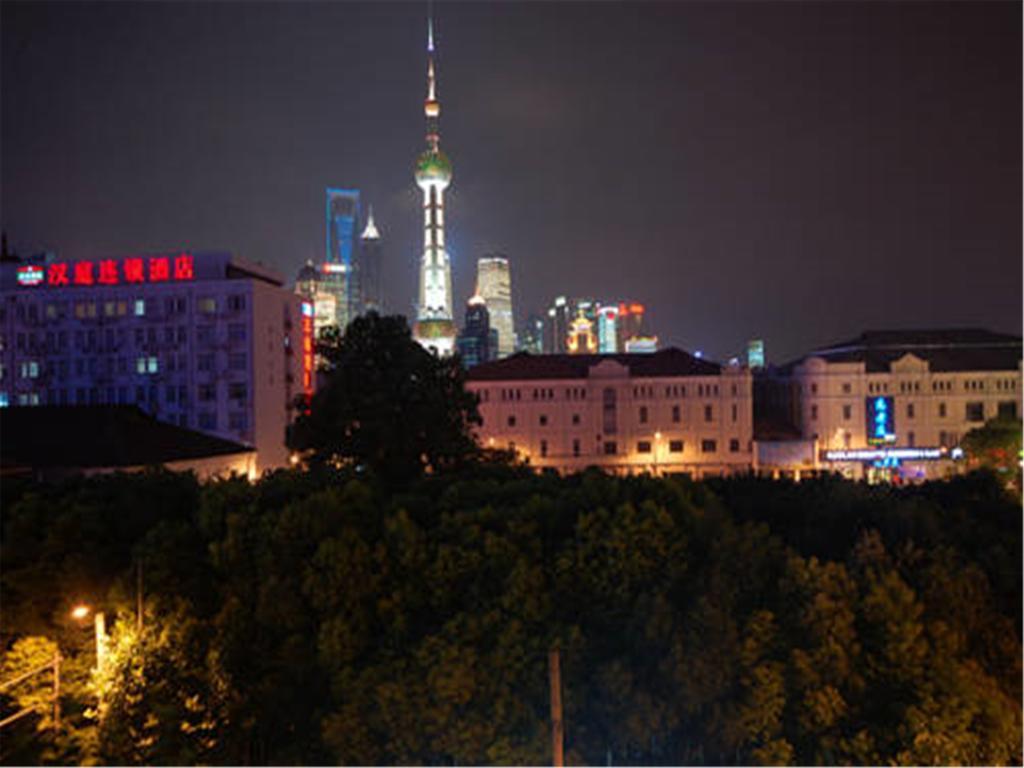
(433, 167)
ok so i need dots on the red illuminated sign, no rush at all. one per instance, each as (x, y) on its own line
(30, 275)
(307, 349)
(135, 269)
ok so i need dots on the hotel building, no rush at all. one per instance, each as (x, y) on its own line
(899, 402)
(665, 412)
(204, 341)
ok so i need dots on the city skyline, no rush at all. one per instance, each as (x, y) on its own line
(844, 167)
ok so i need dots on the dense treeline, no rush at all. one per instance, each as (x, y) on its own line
(316, 617)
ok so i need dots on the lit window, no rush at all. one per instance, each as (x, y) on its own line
(207, 305)
(152, 365)
(140, 307)
(5, 400)
(140, 365)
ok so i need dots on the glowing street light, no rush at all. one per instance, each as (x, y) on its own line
(79, 613)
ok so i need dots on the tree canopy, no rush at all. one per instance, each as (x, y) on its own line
(386, 404)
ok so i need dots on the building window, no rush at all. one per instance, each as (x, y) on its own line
(30, 370)
(675, 414)
(152, 365)
(643, 414)
(846, 388)
(140, 307)
(236, 302)
(735, 412)
(576, 446)
(708, 446)
(207, 420)
(204, 362)
(734, 445)
(814, 389)
(1007, 409)
(237, 421)
(206, 393)
(575, 418)
(910, 410)
(237, 390)
(942, 410)
(236, 361)
(207, 305)
(975, 411)
(140, 365)
(708, 413)
(609, 411)
(814, 413)
(675, 446)
(644, 446)
(910, 439)
(236, 332)
(543, 420)
(511, 421)
(847, 412)
(610, 448)
(543, 448)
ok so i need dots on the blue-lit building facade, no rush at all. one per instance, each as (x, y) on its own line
(478, 341)
(341, 266)
(205, 341)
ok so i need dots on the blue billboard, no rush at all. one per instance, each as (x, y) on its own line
(881, 420)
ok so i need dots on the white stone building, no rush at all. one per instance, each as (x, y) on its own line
(666, 412)
(932, 387)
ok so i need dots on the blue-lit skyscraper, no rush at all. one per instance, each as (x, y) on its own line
(341, 268)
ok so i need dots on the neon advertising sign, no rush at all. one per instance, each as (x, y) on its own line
(307, 349)
(131, 270)
(881, 426)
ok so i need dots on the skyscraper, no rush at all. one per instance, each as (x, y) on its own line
(478, 342)
(607, 329)
(494, 285)
(434, 328)
(556, 332)
(341, 273)
(531, 339)
(582, 340)
(630, 323)
(369, 266)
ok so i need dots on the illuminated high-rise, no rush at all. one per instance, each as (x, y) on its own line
(607, 324)
(341, 272)
(434, 328)
(369, 267)
(494, 285)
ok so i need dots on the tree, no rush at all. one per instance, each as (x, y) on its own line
(996, 446)
(388, 405)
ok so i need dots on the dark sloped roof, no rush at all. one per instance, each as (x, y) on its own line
(946, 350)
(99, 436)
(666, 362)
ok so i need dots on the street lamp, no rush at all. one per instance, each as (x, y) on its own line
(79, 613)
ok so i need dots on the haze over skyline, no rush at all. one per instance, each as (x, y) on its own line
(792, 172)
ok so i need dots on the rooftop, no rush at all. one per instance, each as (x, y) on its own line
(523, 365)
(99, 436)
(954, 349)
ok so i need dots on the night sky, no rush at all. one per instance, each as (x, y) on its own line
(797, 172)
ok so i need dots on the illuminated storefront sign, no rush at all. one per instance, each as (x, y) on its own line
(881, 426)
(30, 275)
(135, 269)
(307, 348)
(891, 455)
(334, 269)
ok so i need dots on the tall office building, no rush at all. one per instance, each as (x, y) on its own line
(531, 339)
(630, 323)
(556, 333)
(494, 285)
(755, 353)
(369, 267)
(478, 342)
(607, 329)
(341, 268)
(311, 286)
(434, 328)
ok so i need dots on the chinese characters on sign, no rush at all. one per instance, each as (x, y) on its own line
(307, 349)
(137, 269)
(881, 427)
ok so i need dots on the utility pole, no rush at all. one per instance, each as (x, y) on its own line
(56, 689)
(138, 598)
(555, 684)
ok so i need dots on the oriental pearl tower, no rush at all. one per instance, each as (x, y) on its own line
(434, 327)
